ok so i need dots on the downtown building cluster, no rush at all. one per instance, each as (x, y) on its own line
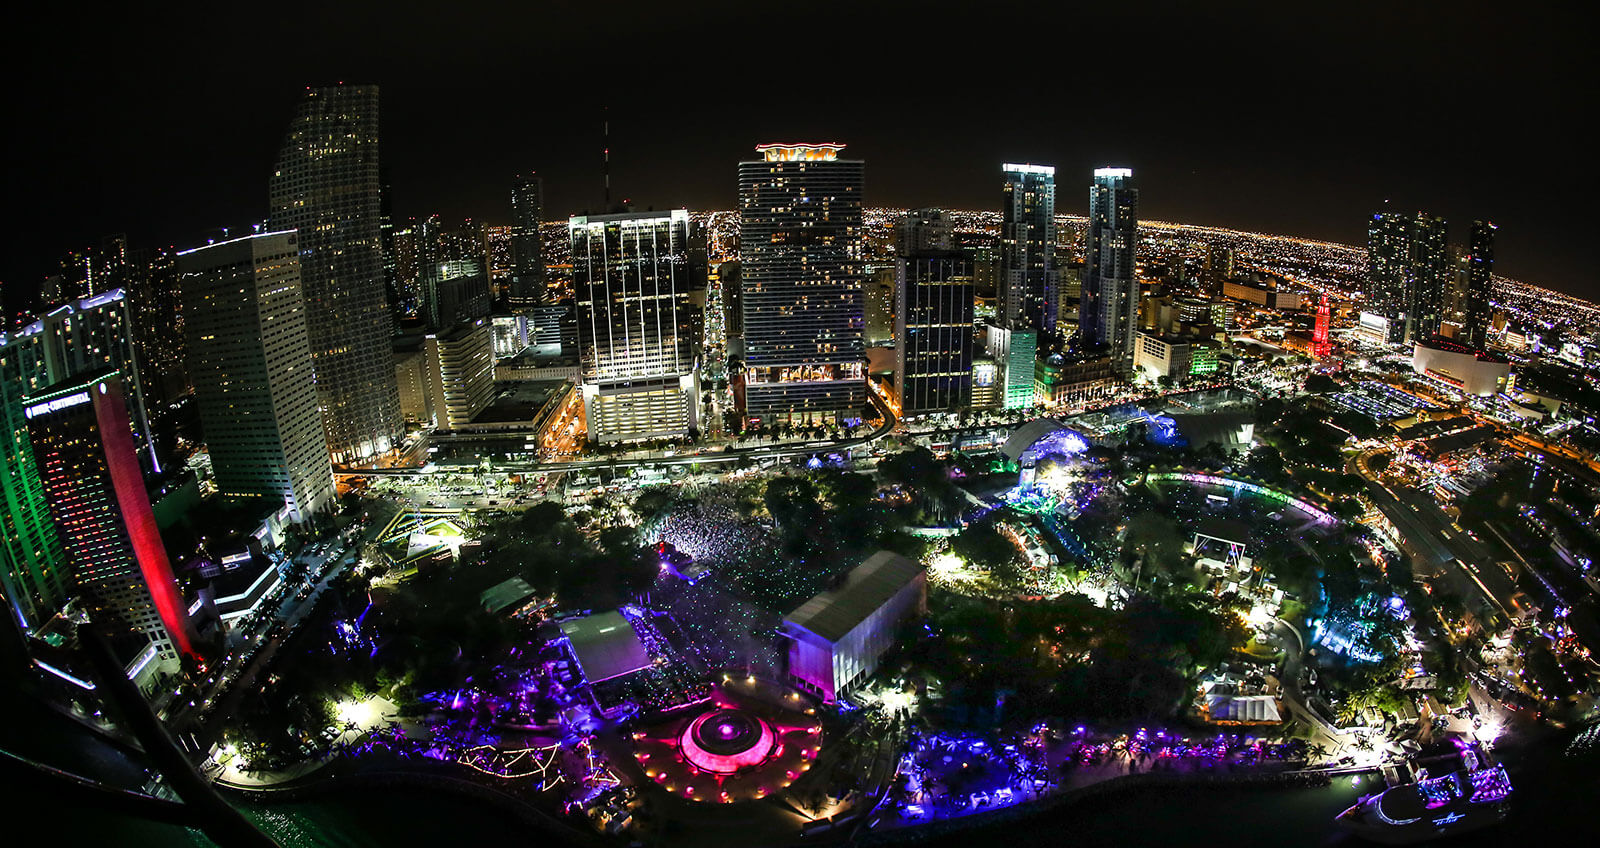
(324, 336)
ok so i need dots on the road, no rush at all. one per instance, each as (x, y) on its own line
(728, 454)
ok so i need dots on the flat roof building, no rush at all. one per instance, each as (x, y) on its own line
(838, 636)
(605, 645)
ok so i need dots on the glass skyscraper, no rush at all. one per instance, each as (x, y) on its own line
(251, 364)
(327, 187)
(77, 338)
(933, 329)
(1108, 313)
(527, 248)
(1480, 271)
(1408, 273)
(801, 283)
(1028, 277)
(631, 280)
(95, 488)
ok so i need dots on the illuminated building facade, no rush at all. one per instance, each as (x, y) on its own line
(454, 291)
(326, 186)
(1408, 273)
(1027, 283)
(632, 284)
(801, 282)
(459, 373)
(1480, 270)
(95, 488)
(1109, 311)
(33, 574)
(933, 329)
(527, 248)
(251, 366)
(1320, 346)
(837, 637)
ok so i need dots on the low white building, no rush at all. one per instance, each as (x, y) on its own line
(837, 637)
(1475, 372)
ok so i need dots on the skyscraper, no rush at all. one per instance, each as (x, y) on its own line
(1408, 273)
(95, 488)
(33, 572)
(527, 249)
(1388, 254)
(326, 186)
(933, 328)
(631, 282)
(1109, 311)
(801, 283)
(251, 365)
(1430, 275)
(81, 337)
(1480, 270)
(1027, 249)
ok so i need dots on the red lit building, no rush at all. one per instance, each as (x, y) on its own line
(85, 452)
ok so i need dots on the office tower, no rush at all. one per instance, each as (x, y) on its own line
(631, 280)
(250, 358)
(326, 187)
(527, 248)
(878, 291)
(933, 329)
(459, 363)
(1015, 356)
(923, 231)
(801, 286)
(454, 291)
(1110, 304)
(155, 308)
(1480, 270)
(1430, 275)
(1219, 268)
(1027, 249)
(497, 242)
(95, 488)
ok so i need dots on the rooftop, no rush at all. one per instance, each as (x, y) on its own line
(834, 613)
(606, 645)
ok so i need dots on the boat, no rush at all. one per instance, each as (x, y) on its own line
(1467, 799)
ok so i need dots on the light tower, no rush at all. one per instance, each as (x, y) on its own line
(1320, 346)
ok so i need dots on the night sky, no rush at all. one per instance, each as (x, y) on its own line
(1279, 119)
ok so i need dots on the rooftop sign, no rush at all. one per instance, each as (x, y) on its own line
(799, 152)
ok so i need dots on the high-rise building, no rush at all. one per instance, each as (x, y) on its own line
(1109, 311)
(326, 186)
(1431, 274)
(454, 291)
(800, 246)
(1480, 270)
(1027, 280)
(631, 280)
(1219, 268)
(527, 248)
(1408, 273)
(924, 231)
(933, 331)
(33, 572)
(95, 488)
(459, 365)
(1388, 255)
(251, 365)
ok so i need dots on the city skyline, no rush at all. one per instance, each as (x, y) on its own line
(1218, 169)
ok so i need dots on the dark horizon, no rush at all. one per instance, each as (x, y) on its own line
(1282, 121)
